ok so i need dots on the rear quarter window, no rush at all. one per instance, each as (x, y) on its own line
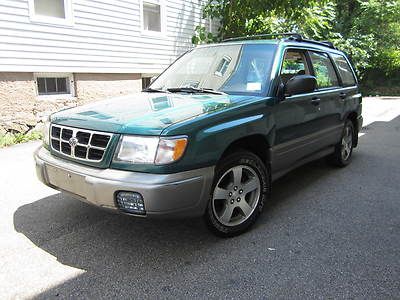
(344, 69)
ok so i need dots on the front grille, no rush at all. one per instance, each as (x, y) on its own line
(80, 144)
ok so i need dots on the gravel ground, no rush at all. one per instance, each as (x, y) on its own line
(325, 233)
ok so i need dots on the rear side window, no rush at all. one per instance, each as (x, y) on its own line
(344, 69)
(324, 70)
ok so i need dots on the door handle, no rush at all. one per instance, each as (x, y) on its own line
(342, 95)
(315, 101)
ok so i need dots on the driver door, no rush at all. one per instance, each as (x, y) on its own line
(296, 117)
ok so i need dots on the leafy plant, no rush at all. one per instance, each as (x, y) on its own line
(202, 36)
(16, 138)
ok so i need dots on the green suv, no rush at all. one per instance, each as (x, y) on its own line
(210, 134)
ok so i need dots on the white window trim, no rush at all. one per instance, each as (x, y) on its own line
(69, 95)
(68, 21)
(163, 12)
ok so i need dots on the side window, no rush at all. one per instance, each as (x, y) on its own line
(51, 11)
(344, 69)
(152, 16)
(54, 9)
(324, 70)
(294, 63)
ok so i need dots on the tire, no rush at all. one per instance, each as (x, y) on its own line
(344, 149)
(240, 187)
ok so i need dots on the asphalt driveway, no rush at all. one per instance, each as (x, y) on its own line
(325, 233)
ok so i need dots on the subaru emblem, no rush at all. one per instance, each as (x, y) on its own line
(73, 141)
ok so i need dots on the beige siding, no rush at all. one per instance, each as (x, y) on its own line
(105, 37)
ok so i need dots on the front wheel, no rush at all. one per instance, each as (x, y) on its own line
(238, 194)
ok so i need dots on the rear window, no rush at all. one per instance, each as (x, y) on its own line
(344, 69)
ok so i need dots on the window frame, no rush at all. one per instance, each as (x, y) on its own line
(163, 18)
(70, 82)
(67, 21)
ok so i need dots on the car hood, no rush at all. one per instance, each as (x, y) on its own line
(144, 113)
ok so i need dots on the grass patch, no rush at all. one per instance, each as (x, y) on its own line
(16, 138)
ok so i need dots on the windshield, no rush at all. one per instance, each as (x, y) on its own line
(232, 69)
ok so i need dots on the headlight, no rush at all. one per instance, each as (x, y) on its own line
(46, 132)
(150, 150)
(136, 149)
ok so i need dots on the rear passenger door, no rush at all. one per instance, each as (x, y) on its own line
(329, 99)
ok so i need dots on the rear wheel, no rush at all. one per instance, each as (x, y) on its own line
(238, 194)
(344, 149)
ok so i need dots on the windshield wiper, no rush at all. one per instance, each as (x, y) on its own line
(193, 90)
(150, 90)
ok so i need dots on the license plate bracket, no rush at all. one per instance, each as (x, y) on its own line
(66, 180)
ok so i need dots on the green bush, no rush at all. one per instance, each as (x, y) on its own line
(16, 138)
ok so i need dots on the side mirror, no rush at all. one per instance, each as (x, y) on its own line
(300, 84)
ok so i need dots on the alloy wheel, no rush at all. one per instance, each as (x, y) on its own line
(236, 195)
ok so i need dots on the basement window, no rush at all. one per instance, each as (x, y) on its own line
(146, 81)
(49, 84)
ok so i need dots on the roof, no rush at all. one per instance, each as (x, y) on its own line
(291, 42)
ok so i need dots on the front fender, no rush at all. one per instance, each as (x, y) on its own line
(214, 140)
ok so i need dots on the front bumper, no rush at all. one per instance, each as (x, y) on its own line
(183, 194)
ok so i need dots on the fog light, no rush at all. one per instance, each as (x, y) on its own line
(131, 202)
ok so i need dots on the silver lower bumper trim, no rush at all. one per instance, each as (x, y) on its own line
(183, 194)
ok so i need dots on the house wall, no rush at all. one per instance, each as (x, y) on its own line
(104, 37)
(21, 110)
(91, 87)
(17, 101)
(104, 46)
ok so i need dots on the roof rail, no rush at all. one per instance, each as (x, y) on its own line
(321, 43)
(290, 36)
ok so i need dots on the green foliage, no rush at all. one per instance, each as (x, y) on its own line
(249, 17)
(367, 30)
(360, 50)
(370, 32)
(16, 138)
(202, 36)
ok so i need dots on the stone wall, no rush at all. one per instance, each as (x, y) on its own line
(92, 87)
(17, 101)
(21, 109)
